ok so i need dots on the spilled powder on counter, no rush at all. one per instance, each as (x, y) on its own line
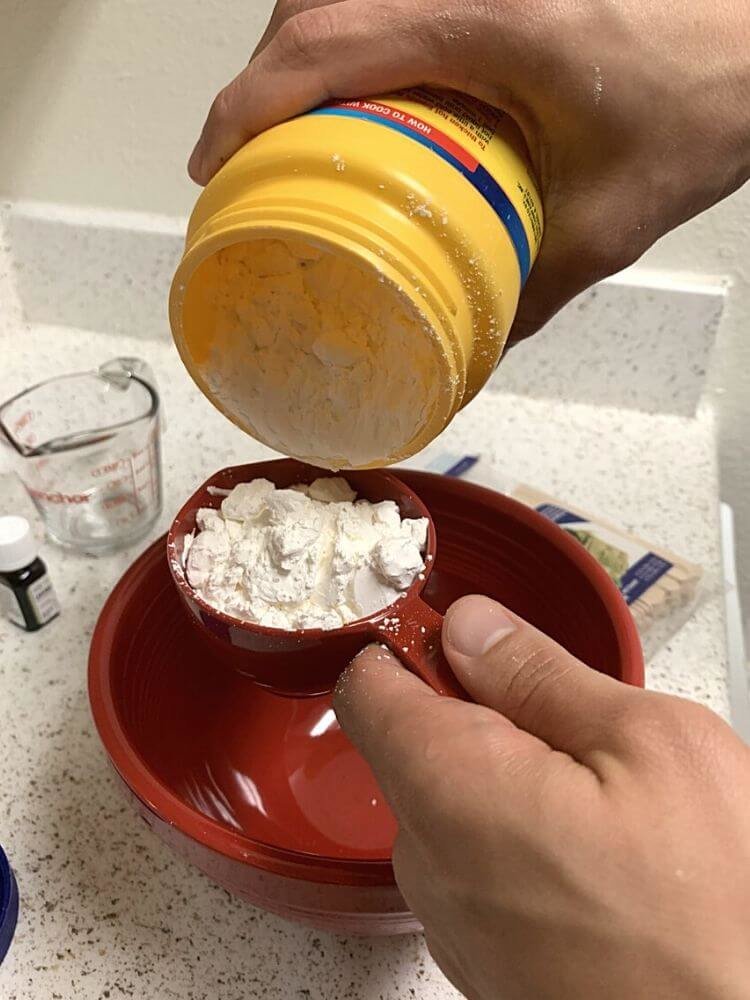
(305, 557)
(317, 356)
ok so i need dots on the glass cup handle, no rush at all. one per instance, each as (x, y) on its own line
(119, 370)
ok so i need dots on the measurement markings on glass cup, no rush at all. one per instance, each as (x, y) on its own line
(133, 474)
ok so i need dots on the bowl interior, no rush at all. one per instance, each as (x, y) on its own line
(243, 764)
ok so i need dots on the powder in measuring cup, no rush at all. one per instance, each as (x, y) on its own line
(306, 557)
(315, 355)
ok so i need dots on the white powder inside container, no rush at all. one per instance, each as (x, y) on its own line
(313, 354)
(305, 557)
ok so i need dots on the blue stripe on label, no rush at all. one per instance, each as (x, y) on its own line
(462, 466)
(643, 575)
(558, 514)
(480, 178)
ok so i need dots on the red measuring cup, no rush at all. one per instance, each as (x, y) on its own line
(309, 661)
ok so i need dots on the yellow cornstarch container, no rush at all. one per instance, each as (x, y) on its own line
(428, 190)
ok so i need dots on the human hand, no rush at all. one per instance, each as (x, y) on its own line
(567, 837)
(635, 114)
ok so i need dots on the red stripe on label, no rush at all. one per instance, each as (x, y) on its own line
(418, 125)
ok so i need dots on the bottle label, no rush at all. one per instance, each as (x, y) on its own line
(9, 605)
(632, 567)
(43, 599)
(465, 133)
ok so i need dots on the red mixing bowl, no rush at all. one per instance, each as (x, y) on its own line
(263, 792)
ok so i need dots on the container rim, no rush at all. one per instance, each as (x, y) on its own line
(343, 236)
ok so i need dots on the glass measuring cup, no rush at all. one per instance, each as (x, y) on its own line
(86, 447)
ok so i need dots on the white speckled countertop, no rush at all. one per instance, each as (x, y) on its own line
(106, 910)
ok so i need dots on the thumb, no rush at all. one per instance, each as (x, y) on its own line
(419, 744)
(506, 664)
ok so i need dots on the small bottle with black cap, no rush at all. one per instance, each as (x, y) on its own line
(27, 596)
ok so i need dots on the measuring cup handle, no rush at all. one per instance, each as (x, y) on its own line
(415, 637)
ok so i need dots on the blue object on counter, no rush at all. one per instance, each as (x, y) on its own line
(8, 905)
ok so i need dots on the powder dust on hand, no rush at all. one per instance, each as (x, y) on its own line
(316, 356)
(305, 557)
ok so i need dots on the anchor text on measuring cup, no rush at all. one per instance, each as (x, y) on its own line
(70, 498)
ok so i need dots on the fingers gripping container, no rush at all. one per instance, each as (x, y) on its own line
(429, 190)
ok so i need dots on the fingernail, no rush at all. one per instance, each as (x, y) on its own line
(373, 652)
(195, 163)
(476, 625)
(377, 648)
